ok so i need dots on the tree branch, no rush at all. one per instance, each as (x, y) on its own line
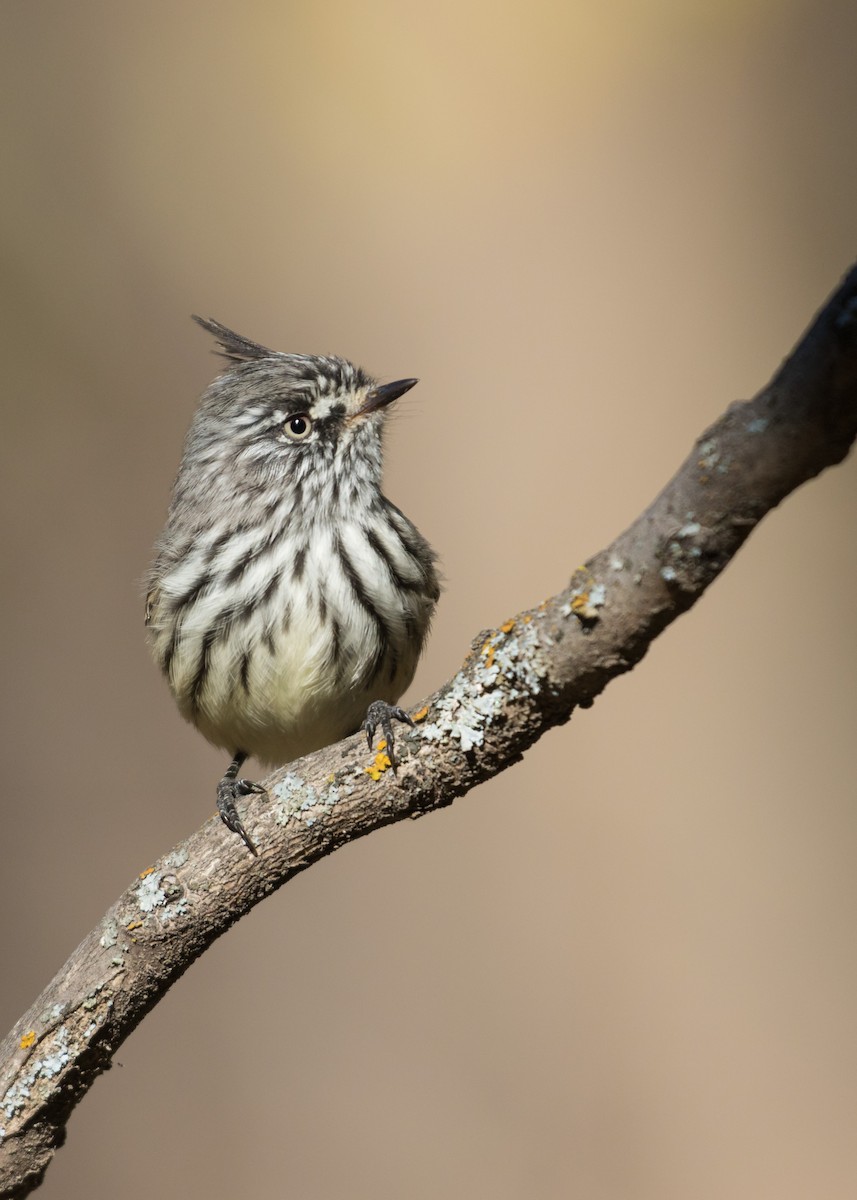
(517, 682)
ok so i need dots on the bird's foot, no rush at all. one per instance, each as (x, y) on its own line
(381, 715)
(228, 791)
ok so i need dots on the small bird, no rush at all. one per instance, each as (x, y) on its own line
(289, 600)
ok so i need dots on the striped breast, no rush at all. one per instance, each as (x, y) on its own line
(275, 644)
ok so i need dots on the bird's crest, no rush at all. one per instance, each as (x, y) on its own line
(233, 345)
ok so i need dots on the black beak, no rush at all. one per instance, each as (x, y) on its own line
(386, 393)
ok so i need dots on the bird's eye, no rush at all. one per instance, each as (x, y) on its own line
(297, 427)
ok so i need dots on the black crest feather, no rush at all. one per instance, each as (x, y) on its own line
(233, 345)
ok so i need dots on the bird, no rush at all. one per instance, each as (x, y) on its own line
(288, 600)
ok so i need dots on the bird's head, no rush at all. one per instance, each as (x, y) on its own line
(297, 416)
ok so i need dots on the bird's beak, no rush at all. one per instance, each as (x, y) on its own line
(384, 394)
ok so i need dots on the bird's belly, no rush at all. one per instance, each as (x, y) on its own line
(282, 693)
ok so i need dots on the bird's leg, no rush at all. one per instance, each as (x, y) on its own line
(228, 791)
(381, 715)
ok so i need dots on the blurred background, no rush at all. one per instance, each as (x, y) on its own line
(627, 967)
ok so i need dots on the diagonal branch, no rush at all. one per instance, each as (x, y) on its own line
(516, 682)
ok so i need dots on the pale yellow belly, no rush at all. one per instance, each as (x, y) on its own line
(293, 694)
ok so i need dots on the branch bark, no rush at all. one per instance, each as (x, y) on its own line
(517, 682)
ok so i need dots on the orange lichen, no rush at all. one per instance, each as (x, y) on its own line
(582, 607)
(28, 1040)
(148, 871)
(134, 925)
(380, 764)
(422, 714)
(507, 627)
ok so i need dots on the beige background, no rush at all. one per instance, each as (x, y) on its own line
(626, 968)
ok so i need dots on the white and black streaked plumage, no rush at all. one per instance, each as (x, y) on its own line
(287, 594)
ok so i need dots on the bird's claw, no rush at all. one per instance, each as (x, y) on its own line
(228, 791)
(381, 715)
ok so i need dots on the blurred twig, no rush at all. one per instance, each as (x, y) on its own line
(517, 682)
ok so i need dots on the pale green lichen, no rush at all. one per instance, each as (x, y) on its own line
(295, 798)
(150, 894)
(509, 666)
(330, 795)
(110, 936)
(46, 1065)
